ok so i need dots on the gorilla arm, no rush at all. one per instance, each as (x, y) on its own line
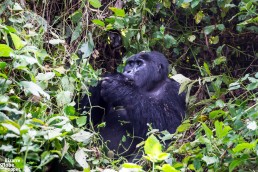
(164, 108)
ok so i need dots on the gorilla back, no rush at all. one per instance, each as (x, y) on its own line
(143, 94)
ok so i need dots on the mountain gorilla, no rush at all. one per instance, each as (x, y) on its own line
(143, 94)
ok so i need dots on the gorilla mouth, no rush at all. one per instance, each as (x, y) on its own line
(129, 80)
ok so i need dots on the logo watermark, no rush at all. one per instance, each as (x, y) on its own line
(8, 164)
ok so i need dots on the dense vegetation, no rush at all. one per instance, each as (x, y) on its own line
(51, 51)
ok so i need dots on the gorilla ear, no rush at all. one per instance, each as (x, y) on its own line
(160, 68)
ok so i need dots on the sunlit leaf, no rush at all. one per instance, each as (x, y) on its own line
(18, 43)
(34, 89)
(81, 158)
(252, 125)
(56, 41)
(235, 163)
(11, 127)
(87, 48)
(168, 168)
(191, 38)
(243, 146)
(98, 22)
(213, 39)
(207, 130)
(5, 50)
(64, 98)
(82, 136)
(118, 12)
(210, 160)
(152, 146)
(45, 76)
(2, 65)
(95, 3)
(221, 129)
(183, 127)
(81, 121)
(198, 17)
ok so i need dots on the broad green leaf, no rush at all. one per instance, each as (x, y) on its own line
(163, 156)
(64, 98)
(5, 50)
(213, 39)
(81, 158)
(185, 5)
(219, 60)
(11, 127)
(17, 7)
(234, 86)
(167, 3)
(19, 162)
(221, 27)
(210, 160)
(180, 78)
(221, 129)
(183, 127)
(81, 121)
(252, 125)
(209, 29)
(59, 121)
(131, 165)
(168, 168)
(208, 132)
(69, 110)
(87, 48)
(252, 86)
(18, 43)
(118, 12)
(34, 89)
(47, 157)
(216, 114)
(2, 65)
(152, 146)
(235, 163)
(194, 3)
(243, 146)
(98, 22)
(191, 38)
(76, 16)
(82, 136)
(206, 68)
(198, 17)
(56, 41)
(256, 75)
(7, 148)
(169, 41)
(53, 133)
(77, 32)
(45, 76)
(68, 83)
(95, 3)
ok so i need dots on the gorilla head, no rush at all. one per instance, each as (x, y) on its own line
(146, 69)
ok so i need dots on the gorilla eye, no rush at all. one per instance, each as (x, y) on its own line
(130, 63)
(139, 63)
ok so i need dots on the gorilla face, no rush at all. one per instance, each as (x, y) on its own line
(146, 69)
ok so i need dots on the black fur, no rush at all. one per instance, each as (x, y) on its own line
(142, 94)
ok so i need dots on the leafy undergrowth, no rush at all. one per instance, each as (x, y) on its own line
(42, 79)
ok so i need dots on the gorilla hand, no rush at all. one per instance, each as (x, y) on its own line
(113, 87)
